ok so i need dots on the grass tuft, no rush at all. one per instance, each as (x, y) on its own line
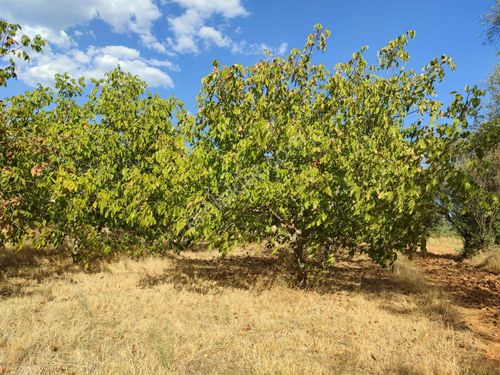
(488, 260)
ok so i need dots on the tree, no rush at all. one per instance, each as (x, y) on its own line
(312, 161)
(472, 205)
(113, 162)
(14, 48)
(318, 161)
(11, 47)
(492, 18)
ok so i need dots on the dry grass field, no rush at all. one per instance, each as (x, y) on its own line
(198, 313)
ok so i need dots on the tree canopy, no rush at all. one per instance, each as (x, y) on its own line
(310, 160)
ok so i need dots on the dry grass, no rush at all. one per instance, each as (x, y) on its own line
(199, 314)
(443, 245)
(488, 260)
(426, 300)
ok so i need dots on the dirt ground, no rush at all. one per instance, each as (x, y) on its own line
(476, 291)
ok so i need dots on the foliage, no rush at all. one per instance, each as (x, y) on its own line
(492, 18)
(98, 171)
(320, 161)
(286, 151)
(442, 228)
(13, 48)
(472, 204)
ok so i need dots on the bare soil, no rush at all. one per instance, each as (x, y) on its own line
(476, 291)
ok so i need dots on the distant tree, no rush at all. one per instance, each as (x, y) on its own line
(492, 18)
(472, 205)
(13, 47)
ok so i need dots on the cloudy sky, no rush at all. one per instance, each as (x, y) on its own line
(171, 43)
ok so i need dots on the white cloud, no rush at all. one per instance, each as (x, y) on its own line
(164, 64)
(94, 63)
(245, 48)
(121, 52)
(227, 8)
(215, 36)
(190, 27)
(52, 18)
(282, 49)
(185, 29)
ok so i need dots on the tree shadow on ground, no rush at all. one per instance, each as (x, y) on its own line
(261, 271)
(348, 275)
(430, 255)
(201, 275)
(22, 268)
(356, 275)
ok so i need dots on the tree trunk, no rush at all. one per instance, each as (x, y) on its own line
(76, 250)
(300, 266)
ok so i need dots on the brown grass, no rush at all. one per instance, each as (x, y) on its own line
(201, 314)
(488, 260)
(445, 244)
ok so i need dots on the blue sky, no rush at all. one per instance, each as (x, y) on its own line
(171, 43)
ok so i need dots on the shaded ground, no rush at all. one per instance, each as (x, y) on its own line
(473, 293)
